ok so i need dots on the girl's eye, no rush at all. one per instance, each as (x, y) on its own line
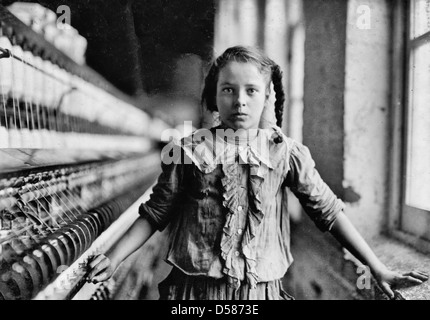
(227, 90)
(252, 91)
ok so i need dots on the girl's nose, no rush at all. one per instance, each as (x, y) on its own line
(240, 100)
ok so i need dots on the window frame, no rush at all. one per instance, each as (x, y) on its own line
(400, 225)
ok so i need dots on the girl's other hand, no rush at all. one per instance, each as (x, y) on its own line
(391, 280)
(100, 269)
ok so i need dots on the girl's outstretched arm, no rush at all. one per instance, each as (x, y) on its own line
(103, 266)
(348, 236)
(157, 209)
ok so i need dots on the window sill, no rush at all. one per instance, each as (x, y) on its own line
(403, 258)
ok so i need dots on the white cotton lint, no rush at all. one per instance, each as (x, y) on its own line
(37, 139)
(4, 137)
(38, 82)
(15, 138)
(5, 68)
(48, 99)
(55, 139)
(61, 140)
(46, 139)
(26, 139)
(18, 72)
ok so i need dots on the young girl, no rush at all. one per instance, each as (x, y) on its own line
(222, 192)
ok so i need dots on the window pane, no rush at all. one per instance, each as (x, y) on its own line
(418, 159)
(421, 17)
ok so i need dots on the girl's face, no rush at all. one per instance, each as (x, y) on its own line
(241, 95)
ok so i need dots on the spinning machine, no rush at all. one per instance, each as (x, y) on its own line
(77, 157)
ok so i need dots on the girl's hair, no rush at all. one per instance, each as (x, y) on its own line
(248, 55)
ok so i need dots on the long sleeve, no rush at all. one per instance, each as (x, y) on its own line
(317, 199)
(163, 201)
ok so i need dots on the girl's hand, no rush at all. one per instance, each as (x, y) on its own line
(100, 269)
(391, 280)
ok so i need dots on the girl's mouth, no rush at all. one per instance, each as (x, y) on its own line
(239, 115)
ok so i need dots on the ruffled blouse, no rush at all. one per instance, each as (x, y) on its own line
(219, 230)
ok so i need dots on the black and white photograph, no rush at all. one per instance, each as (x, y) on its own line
(230, 151)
